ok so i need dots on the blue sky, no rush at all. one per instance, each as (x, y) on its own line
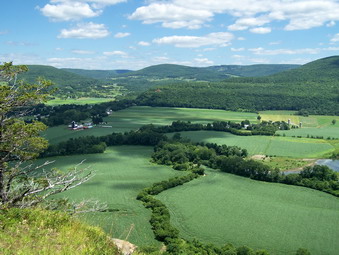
(131, 34)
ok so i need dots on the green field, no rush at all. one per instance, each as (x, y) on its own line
(120, 173)
(221, 208)
(135, 117)
(266, 145)
(79, 101)
(313, 125)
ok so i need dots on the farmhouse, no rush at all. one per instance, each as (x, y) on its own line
(76, 126)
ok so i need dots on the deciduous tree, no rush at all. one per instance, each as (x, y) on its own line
(23, 184)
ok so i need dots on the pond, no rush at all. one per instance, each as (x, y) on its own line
(333, 164)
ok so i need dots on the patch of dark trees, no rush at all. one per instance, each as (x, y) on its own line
(165, 232)
(233, 161)
(249, 95)
(65, 114)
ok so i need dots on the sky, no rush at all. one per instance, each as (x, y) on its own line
(133, 34)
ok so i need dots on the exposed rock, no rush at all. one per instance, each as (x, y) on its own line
(125, 247)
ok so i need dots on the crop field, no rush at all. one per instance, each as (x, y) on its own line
(221, 208)
(313, 125)
(266, 145)
(135, 117)
(79, 101)
(120, 173)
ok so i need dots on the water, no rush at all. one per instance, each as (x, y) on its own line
(333, 164)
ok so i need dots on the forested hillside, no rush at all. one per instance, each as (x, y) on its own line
(166, 74)
(69, 84)
(97, 74)
(313, 88)
(251, 70)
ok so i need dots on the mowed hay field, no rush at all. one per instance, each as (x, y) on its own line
(137, 116)
(120, 173)
(266, 145)
(313, 125)
(221, 208)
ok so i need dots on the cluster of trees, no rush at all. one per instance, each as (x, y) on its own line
(245, 128)
(81, 145)
(64, 114)
(184, 156)
(167, 233)
(312, 89)
(93, 144)
(316, 177)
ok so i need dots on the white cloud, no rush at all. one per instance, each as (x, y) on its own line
(160, 59)
(261, 30)
(299, 14)
(3, 32)
(68, 10)
(88, 30)
(275, 43)
(262, 51)
(237, 49)
(171, 15)
(142, 43)
(83, 52)
(115, 53)
(335, 38)
(203, 61)
(330, 24)
(219, 39)
(121, 35)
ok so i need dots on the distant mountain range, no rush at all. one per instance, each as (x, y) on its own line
(80, 82)
(313, 87)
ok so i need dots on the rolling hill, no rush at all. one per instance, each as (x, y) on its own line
(313, 87)
(165, 74)
(97, 74)
(251, 70)
(69, 84)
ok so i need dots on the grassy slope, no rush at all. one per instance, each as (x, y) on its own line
(266, 145)
(222, 208)
(135, 117)
(120, 174)
(35, 231)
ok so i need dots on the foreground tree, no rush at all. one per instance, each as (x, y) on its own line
(21, 183)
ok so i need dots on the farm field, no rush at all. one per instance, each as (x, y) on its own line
(221, 208)
(266, 145)
(135, 117)
(120, 173)
(79, 101)
(313, 125)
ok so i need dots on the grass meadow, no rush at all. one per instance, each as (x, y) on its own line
(135, 117)
(221, 208)
(218, 208)
(120, 173)
(266, 145)
(79, 101)
(313, 125)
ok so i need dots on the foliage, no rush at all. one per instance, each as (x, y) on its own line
(308, 87)
(21, 183)
(70, 85)
(26, 231)
(221, 207)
